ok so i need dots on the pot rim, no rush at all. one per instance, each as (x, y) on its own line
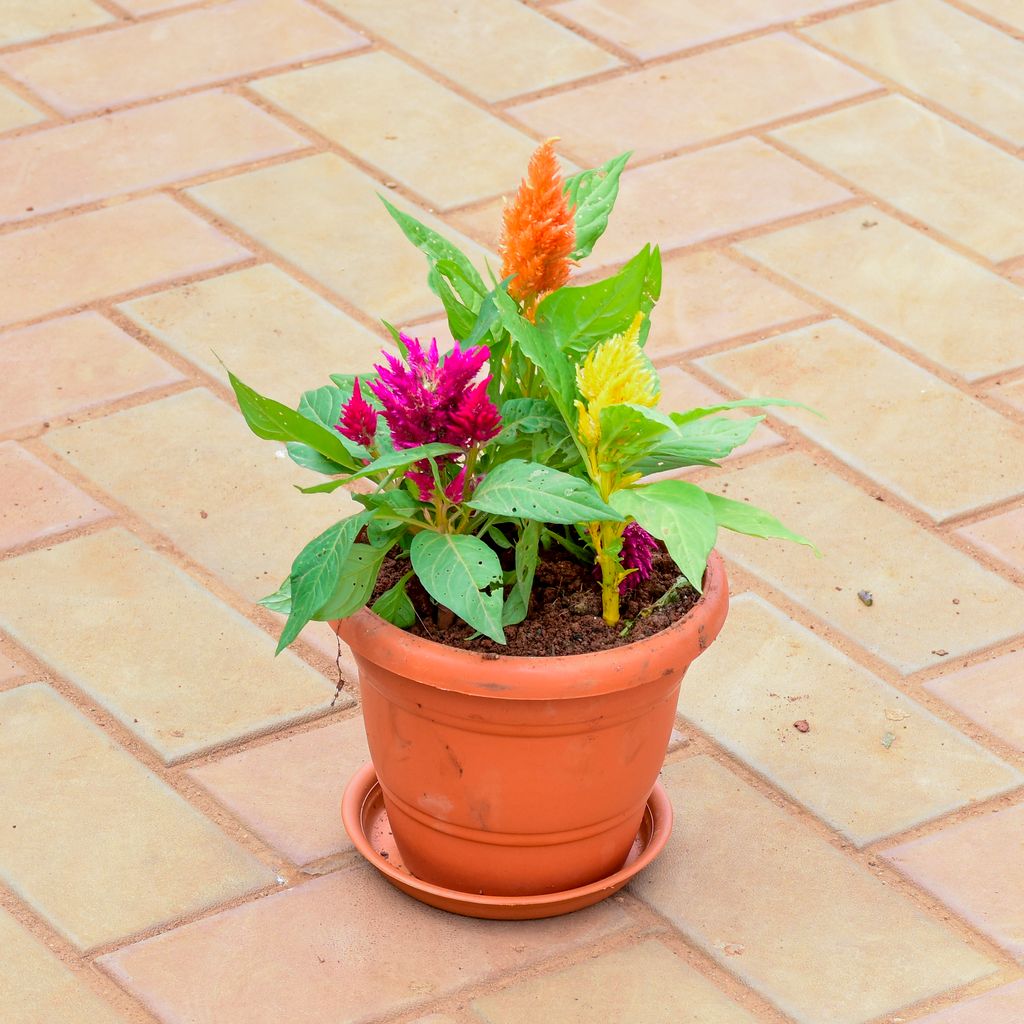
(506, 676)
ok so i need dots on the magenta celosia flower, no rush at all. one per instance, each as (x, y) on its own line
(358, 418)
(475, 418)
(638, 551)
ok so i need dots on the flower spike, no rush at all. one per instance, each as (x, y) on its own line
(358, 419)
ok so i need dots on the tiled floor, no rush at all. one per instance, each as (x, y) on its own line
(838, 191)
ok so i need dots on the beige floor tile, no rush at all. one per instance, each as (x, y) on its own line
(135, 149)
(323, 215)
(37, 502)
(942, 54)
(768, 672)
(289, 791)
(1001, 536)
(1009, 12)
(102, 848)
(909, 431)
(644, 984)
(991, 693)
(415, 131)
(16, 112)
(21, 21)
(79, 259)
(1003, 1005)
(695, 99)
(820, 937)
(926, 166)
(1012, 393)
(39, 988)
(181, 674)
(344, 947)
(161, 56)
(904, 283)
(190, 467)
(274, 333)
(48, 377)
(140, 7)
(493, 48)
(976, 868)
(653, 28)
(912, 575)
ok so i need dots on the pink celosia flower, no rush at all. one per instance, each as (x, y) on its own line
(638, 551)
(475, 418)
(358, 418)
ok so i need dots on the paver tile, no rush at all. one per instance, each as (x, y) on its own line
(16, 112)
(1001, 535)
(940, 53)
(654, 28)
(416, 131)
(324, 215)
(186, 674)
(37, 502)
(189, 466)
(769, 672)
(49, 378)
(645, 984)
(909, 431)
(39, 988)
(140, 148)
(141, 7)
(926, 166)
(905, 284)
(820, 937)
(1004, 1005)
(1007, 11)
(289, 791)
(522, 49)
(160, 56)
(1012, 393)
(692, 100)
(912, 575)
(75, 260)
(98, 845)
(976, 868)
(274, 333)
(991, 693)
(9, 668)
(22, 21)
(344, 947)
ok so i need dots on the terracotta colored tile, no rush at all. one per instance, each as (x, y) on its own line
(912, 575)
(103, 848)
(1001, 536)
(344, 947)
(821, 938)
(905, 284)
(49, 378)
(924, 165)
(948, 57)
(289, 791)
(16, 112)
(524, 50)
(324, 215)
(991, 693)
(976, 868)
(1003, 1005)
(274, 333)
(9, 669)
(911, 432)
(416, 131)
(161, 56)
(24, 20)
(37, 502)
(80, 259)
(644, 984)
(653, 28)
(181, 677)
(1007, 11)
(692, 100)
(767, 672)
(38, 987)
(192, 454)
(140, 148)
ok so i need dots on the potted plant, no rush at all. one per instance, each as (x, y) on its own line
(521, 597)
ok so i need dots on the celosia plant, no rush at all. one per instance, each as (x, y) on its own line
(538, 427)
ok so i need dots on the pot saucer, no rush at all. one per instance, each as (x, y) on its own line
(366, 822)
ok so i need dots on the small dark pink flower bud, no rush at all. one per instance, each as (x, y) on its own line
(638, 551)
(358, 419)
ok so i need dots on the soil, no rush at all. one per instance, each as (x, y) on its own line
(565, 610)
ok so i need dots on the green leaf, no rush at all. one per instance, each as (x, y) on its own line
(322, 405)
(593, 193)
(679, 514)
(461, 319)
(530, 490)
(528, 416)
(700, 412)
(628, 432)
(392, 460)
(394, 604)
(487, 317)
(304, 456)
(699, 443)
(455, 569)
(281, 599)
(517, 604)
(740, 517)
(354, 584)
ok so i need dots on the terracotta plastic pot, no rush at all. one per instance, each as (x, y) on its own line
(516, 776)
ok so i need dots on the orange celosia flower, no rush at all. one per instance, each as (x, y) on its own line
(539, 232)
